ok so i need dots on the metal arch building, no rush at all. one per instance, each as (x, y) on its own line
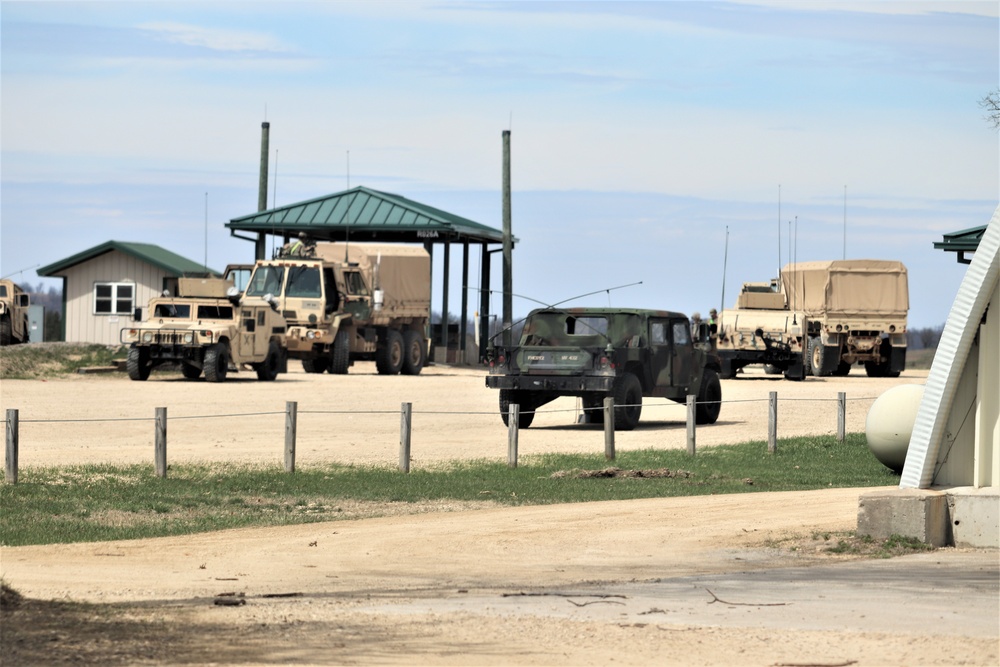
(365, 215)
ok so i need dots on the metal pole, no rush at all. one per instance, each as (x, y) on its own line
(291, 424)
(841, 415)
(12, 438)
(772, 423)
(160, 448)
(513, 422)
(609, 428)
(691, 424)
(508, 243)
(405, 421)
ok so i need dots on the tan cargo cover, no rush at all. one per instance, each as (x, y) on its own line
(406, 279)
(848, 288)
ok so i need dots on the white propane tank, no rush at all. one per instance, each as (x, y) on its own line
(890, 424)
(379, 299)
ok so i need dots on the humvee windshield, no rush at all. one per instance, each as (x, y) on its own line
(563, 329)
(177, 310)
(3, 290)
(215, 312)
(266, 280)
(303, 281)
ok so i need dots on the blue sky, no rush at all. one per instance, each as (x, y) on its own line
(640, 131)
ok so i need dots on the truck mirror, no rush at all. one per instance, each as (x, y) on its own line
(23, 300)
(137, 315)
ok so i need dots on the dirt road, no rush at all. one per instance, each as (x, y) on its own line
(688, 581)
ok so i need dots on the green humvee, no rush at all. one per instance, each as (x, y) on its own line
(594, 353)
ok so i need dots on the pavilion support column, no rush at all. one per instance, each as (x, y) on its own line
(444, 299)
(484, 302)
(429, 247)
(462, 324)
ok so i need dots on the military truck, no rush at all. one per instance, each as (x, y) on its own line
(14, 304)
(761, 330)
(349, 301)
(594, 353)
(856, 311)
(207, 327)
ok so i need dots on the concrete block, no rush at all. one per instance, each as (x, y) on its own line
(974, 515)
(921, 514)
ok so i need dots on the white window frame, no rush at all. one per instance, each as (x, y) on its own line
(114, 299)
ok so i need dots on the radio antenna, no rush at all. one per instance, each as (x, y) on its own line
(725, 263)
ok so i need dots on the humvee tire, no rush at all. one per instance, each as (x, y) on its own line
(628, 402)
(216, 363)
(190, 371)
(709, 401)
(267, 370)
(389, 357)
(413, 352)
(137, 364)
(6, 334)
(508, 396)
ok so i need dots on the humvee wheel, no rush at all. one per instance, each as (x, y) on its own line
(628, 402)
(137, 364)
(413, 352)
(389, 357)
(190, 371)
(216, 363)
(843, 369)
(267, 370)
(527, 414)
(315, 364)
(771, 369)
(340, 355)
(593, 407)
(5, 331)
(709, 398)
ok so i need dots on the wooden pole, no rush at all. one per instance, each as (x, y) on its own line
(11, 450)
(513, 419)
(691, 424)
(405, 420)
(291, 424)
(772, 423)
(609, 428)
(160, 448)
(841, 416)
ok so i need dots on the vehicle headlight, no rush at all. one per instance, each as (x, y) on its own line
(147, 337)
(188, 338)
(311, 335)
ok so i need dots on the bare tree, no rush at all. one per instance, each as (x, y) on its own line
(991, 102)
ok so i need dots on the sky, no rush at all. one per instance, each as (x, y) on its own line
(686, 146)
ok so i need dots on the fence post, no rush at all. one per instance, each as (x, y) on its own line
(772, 423)
(405, 415)
(841, 415)
(609, 428)
(690, 423)
(160, 448)
(291, 423)
(513, 423)
(11, 461)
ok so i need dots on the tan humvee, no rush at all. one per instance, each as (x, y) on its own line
(14, 304)
(208, 327)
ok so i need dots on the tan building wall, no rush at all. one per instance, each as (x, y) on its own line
(83, 325)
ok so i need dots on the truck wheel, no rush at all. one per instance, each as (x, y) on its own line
(267, 370)
(190, 371)
(340, 355)
(389, 357)
(315, 364)
(413, 352)
(628, 402)
(216, 363)
(593, 407)
(709, 401)
(137, 364)
(508, 396)
(5, 331)
(843, 370)
(771, 369)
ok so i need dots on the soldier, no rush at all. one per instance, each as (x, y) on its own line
(713, 325)
(695, 323)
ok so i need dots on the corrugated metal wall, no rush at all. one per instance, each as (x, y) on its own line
(82, 325)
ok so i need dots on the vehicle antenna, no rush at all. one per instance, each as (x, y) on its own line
(725, 263)
(779, 230)
(21, 270)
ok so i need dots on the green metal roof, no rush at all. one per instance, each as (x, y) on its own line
(161, 258)
(962, 242)
(366, 214)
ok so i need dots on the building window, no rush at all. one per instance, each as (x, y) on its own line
(114, 298)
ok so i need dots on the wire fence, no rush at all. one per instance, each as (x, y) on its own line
(604, 413)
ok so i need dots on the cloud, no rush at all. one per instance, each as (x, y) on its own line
(215, 39)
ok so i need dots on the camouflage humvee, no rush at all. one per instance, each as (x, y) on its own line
(594, 353)
(208, 327)
(14, 304)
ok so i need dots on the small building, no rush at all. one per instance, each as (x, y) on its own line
(102, 286)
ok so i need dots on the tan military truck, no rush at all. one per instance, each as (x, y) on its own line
(346, 302)
(856, 312)
(762, 330)
(14, 304)
(207, 327)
